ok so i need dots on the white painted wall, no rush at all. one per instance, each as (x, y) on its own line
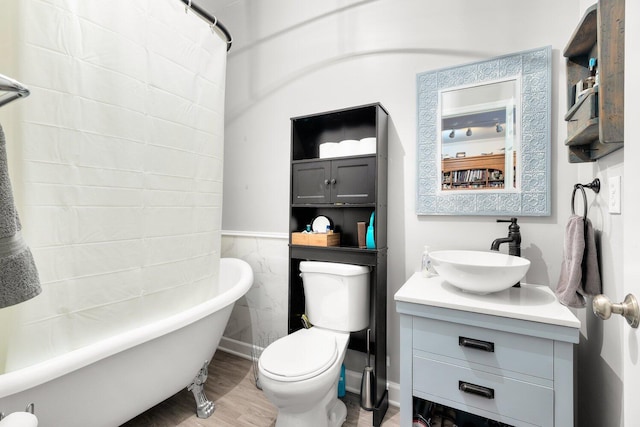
(600, 353)
(292, 58)
(631, 204)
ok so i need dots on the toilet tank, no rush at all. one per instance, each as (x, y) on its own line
(336, 295)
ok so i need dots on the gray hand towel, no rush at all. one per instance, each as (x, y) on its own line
(579, 274)
(19, 279)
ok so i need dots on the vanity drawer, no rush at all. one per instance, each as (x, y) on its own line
(446, 384)
(469, 344)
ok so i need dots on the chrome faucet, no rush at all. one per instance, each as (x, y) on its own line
(513, 238)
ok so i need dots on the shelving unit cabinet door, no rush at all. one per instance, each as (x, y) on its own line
(353, 180)
(311, 183)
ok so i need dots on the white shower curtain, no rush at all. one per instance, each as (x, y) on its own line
(117, 156)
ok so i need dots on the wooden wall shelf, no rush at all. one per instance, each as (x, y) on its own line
(596, 119)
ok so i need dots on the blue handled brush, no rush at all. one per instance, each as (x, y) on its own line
(371, 243)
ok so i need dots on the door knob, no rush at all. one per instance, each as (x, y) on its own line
(603, 308)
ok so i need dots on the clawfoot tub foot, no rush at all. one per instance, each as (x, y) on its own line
(205, 407)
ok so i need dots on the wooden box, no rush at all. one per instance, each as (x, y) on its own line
(315, 239)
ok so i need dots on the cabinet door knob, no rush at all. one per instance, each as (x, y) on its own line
(326, 182)
(333, 181)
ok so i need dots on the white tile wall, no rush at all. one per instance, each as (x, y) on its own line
(260, 317)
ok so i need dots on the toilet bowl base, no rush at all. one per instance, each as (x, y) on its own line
(310, 402)
(337, 414)
(334, 414)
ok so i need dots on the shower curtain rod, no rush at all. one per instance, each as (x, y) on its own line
(17, 90)
(212, 20)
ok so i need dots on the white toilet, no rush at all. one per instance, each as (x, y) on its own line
(299, 373)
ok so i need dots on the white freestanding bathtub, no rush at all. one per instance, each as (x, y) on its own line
(112, 381)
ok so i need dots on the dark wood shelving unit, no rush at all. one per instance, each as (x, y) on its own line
(346, 190)
(595, 121)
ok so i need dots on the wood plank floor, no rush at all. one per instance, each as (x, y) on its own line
(238, 402)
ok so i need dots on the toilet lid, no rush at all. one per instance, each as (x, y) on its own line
(299, 356)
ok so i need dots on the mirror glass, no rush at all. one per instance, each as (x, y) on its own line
(484, 137)
(478, 138)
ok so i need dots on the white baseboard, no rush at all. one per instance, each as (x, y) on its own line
(235, 347)
(353, 378)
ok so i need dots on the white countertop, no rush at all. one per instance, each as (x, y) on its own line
(535, 303)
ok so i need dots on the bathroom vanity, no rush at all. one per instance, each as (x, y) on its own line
(506, 356)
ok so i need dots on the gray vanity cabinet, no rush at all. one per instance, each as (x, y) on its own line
(345, 181)
(518, 387)
(507, 357)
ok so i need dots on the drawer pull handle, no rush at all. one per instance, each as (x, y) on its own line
(477, 344)
(478, 390)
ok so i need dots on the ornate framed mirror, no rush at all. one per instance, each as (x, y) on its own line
(484, 136)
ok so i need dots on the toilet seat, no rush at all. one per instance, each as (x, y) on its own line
(302, 355)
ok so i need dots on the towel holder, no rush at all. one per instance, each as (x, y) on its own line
(14, 88)
(594, 185)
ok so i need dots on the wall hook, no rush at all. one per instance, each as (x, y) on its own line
(594, 185)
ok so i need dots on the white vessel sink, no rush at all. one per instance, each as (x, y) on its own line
(479, 272)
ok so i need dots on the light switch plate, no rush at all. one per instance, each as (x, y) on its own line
(615, 195)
